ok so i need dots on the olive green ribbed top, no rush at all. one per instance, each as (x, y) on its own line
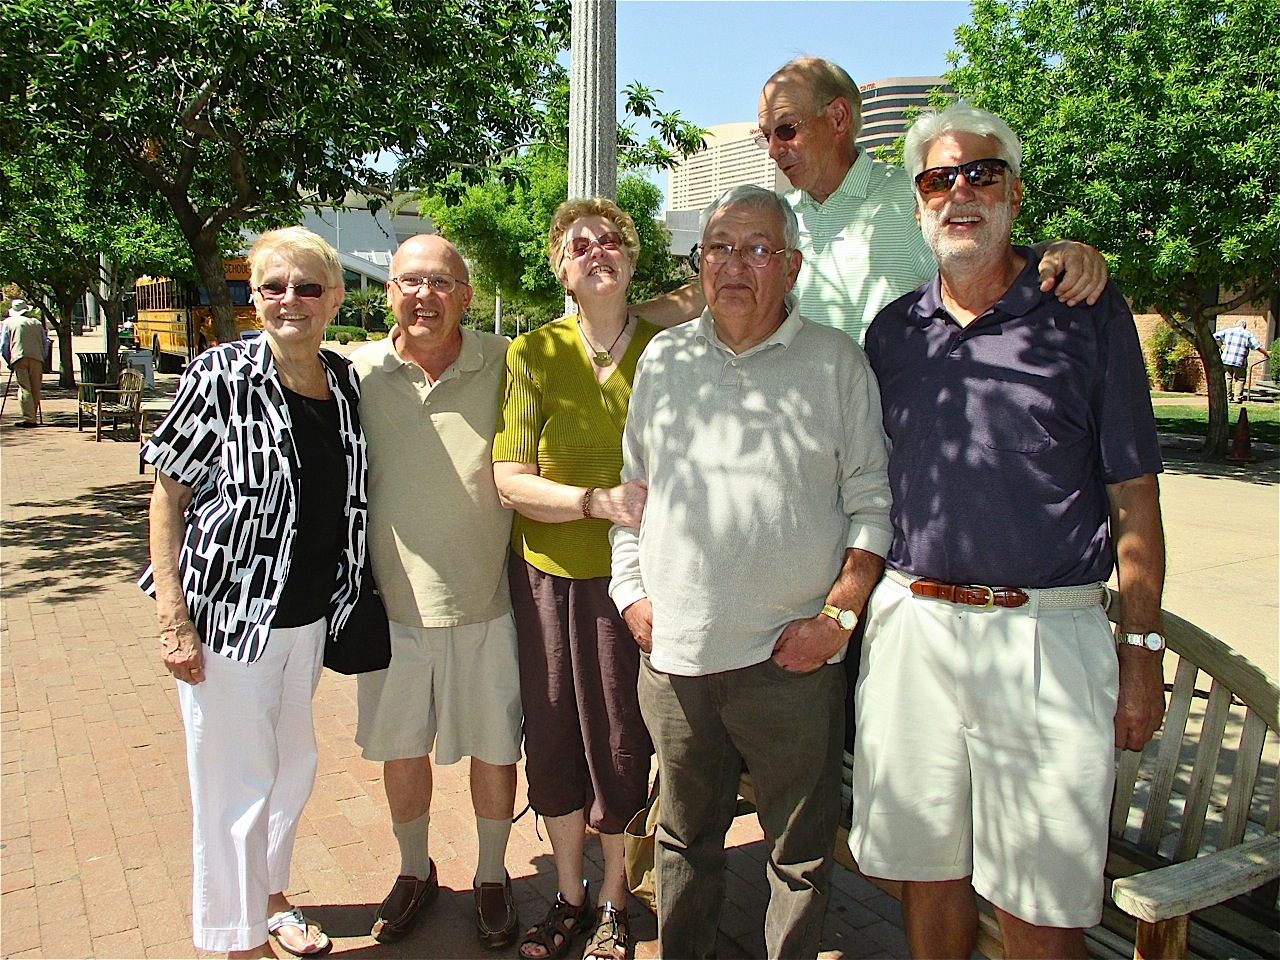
(556, 416)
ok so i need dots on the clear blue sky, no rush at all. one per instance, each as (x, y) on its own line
(711, 57)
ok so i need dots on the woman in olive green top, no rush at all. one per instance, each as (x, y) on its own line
(557, 459)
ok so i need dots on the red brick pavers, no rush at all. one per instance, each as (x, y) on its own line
(95, 853)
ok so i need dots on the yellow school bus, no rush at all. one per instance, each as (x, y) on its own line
(174, 318)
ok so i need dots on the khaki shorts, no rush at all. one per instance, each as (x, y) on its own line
(454, 689)
(985, 748)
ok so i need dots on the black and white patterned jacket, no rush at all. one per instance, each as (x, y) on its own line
(229, 438)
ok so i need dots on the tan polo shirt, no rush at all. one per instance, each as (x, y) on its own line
(437, 532)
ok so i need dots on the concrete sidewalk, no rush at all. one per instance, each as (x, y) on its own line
(96, 836)
(95, 856)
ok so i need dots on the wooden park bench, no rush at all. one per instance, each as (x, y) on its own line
(1194, 855)
(102, 402)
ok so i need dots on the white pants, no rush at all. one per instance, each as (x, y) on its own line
(251, 758)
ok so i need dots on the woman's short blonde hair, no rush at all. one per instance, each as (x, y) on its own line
(571, 211)
(294, 243)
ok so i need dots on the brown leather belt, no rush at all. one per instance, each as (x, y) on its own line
(975, 595)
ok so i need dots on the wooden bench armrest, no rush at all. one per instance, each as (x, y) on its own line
(1182, 888)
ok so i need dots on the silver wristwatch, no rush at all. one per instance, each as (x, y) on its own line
(1149, 641)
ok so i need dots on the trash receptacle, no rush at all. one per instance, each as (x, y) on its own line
(93, 367)
(141, 361)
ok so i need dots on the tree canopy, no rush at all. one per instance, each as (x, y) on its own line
(233, 110)
(501, 223)
(1149, 130)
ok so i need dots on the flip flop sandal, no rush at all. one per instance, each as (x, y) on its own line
(293, 918)
(611, 939)
(563, 920)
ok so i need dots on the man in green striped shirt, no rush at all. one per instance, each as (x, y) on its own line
(859, 238)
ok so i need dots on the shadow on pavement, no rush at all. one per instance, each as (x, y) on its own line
(1182, 456)
(69, 548)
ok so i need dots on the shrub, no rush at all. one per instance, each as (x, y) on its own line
(338, 332)
(1273, 365)
(1166, 352)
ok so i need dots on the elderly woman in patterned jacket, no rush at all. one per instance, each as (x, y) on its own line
(257, 548)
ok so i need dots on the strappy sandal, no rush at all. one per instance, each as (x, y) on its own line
(611, 939)
(563, 920)
(320, 944)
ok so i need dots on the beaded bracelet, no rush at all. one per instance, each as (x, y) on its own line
(586, 503)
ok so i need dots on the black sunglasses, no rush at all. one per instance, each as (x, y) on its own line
(979, 173)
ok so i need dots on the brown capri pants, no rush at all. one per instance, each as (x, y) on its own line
(586, 745)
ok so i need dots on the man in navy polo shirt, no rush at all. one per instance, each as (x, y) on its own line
(1023, 469)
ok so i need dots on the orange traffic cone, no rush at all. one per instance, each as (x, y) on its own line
(1241, 452)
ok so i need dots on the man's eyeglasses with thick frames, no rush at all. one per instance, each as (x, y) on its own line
(276, 291)
(437, 283)
(755, 255)
(979, 173)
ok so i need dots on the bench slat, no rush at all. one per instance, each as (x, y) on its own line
(1166, 761)
(1204, 771)
(1244, 779)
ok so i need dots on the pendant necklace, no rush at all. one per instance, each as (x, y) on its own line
(602, 358)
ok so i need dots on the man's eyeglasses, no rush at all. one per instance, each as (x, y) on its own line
(581, 246)
(276, 291)
(756, 255)
(979, 173)
(783, 133)
(437, 282)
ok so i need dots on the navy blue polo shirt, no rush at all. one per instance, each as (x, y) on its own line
(1006, 432)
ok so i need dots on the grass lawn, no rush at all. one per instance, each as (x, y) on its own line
(1192, 420)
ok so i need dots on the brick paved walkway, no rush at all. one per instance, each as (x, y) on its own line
(95, 840)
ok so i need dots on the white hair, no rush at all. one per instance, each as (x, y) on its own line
(750, 195)
(960, 117)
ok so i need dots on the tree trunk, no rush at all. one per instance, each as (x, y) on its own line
(1215, 445)
(66, 349)
(208, 261)
(111, 310)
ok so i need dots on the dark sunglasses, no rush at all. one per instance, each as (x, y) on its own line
(305, 291)
(783, 133)
(979, 173)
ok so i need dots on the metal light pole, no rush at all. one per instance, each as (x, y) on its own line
(593, 82)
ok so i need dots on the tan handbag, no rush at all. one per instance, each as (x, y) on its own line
(638, 843)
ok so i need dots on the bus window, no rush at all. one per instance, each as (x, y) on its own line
(239, 293)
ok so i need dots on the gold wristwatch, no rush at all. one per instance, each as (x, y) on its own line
(846, 618)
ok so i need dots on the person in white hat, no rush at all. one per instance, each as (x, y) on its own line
(24, 343)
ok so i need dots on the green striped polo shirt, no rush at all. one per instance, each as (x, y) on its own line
(558, 417)
(862, 248)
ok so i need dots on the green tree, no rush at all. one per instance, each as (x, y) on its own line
(1149, 129)
(64, 233)
(232, 111)
(501, 223)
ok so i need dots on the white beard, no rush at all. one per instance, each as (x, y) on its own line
(976, 248)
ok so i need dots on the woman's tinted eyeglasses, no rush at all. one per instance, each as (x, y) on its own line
(581, 246)
(979, 173)
(276, 291)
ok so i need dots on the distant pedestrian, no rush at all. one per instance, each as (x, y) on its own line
(258, 526)
(24, 344)
(1236, 343)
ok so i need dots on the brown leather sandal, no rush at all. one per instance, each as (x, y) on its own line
(563, 920)
(611, 939)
